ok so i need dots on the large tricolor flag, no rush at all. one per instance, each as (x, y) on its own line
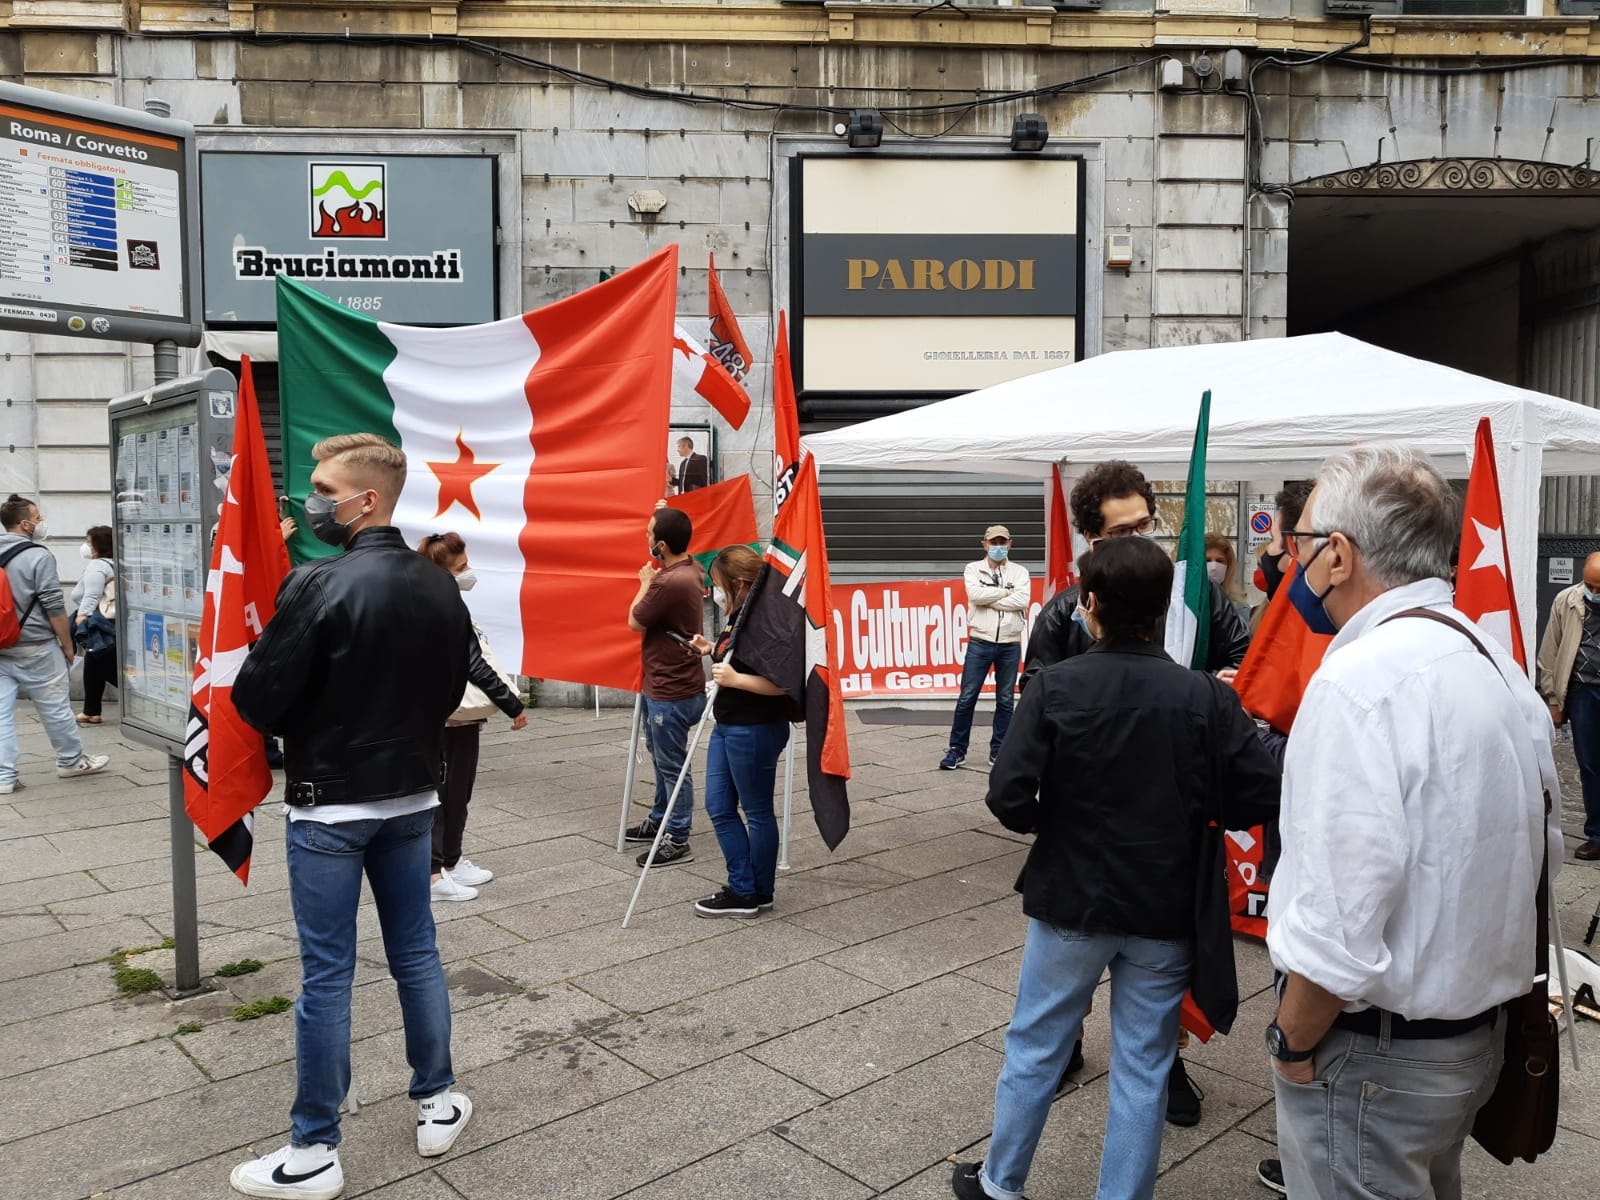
(728, 346)
(1483, 577)
(695, 371)
(538, 439)
(722, 515)
(1189, 615)
(225, 772)
(785, 632)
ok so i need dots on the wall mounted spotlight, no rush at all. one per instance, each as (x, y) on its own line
(1029, 133)
(865, 130)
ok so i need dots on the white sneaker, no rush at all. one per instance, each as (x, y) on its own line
(89, 764)
(7, 789)
(468, 873)
(294, 1172)
(440, 1120)
(446, 888)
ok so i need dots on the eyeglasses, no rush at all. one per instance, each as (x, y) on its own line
(1141, 528)
(1295, 536)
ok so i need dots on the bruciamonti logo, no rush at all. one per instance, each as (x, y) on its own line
(348, 200)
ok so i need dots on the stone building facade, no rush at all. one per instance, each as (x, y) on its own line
(1252, 169)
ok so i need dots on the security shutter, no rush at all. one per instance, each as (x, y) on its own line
(1562, 358)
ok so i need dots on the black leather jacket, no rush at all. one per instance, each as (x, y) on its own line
(367, 657)
(1057, 637)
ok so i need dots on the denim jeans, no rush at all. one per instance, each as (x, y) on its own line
(326, 863)
(1060, 968)
(741, 772)
(40, 670)
(1385, 1117)
(667, 726)
(981, 656)
(1583, 714)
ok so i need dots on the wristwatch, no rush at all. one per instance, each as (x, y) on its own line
(1278, 1047)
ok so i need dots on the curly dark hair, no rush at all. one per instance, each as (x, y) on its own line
(1291, 500)
(1108, 481)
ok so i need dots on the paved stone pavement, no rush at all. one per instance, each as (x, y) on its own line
(842, 1047)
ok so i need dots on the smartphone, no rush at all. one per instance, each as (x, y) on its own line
(283, 507)
(680, 639)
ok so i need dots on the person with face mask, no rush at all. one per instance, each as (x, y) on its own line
(366, 659)
(39, 661)
(96, 633)
(1275, 561)
(752, 715)
(1220, 571)
(998, 595)
(456, 877)
(1415, 790)
(1569, 681)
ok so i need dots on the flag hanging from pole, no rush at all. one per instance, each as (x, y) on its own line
(786, 633)
(1060, 552)
(1189, 615)
(225, 773)
(538, 439)
(696, 371)
(785, 419)
(1483, 571)
(722, 515)
(728, 346)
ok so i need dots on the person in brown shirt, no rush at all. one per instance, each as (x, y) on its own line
(669, 602)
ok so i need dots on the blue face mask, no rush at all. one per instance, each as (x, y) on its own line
(1591, 596)
(1306, 601)
(999, 553)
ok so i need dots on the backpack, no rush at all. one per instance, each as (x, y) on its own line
(108, 601)
(10, 623)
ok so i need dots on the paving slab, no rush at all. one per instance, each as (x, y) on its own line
(938, 947)
(91, 1087)
(764, 1166)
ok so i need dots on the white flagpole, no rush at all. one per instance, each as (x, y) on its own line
(788, 805)
(633, 768)
(1561, 974)
(666, 817)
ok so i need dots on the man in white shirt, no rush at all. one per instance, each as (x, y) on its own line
(1414, 827)
(998, 596)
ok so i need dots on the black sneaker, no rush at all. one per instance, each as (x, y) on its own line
(1270, 1172)
(964, 1182)
(644, 831)
(1183, 1097)
(1074, 1065)
(952, 760)
(670, 854)
(763, 901)
(727, 903)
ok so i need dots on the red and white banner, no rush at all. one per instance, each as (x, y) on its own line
(907, 638)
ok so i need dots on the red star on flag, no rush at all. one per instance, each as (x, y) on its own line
(456, 479)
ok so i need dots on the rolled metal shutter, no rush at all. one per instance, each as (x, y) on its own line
(1563, 359)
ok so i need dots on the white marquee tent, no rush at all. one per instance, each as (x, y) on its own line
(1278, 407)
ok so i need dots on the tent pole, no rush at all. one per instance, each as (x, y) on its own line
(633, 768)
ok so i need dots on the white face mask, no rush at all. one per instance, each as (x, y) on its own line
(467, 580)
(39, 531)
(1216, 571)
(85, 551)
(719, 598)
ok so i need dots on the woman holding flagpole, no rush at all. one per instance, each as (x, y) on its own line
(752, 728)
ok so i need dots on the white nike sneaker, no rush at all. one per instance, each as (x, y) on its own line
(440, 1120)
(292, 1173)
(446, 888)
(469, 873)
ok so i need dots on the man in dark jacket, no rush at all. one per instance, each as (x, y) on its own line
(368, 655)
(1115, 762)
(1115, 500)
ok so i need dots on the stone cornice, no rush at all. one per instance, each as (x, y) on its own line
(812, 24)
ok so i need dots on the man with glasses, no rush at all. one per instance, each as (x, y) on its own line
(1414, 819)
(997, 604)
(1115, 500)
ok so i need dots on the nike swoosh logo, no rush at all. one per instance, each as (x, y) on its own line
(279, 1175)
(455, 1115)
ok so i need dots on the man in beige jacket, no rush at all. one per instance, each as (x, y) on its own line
(1569, 681)
(998, 596)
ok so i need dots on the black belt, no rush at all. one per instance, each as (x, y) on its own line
(1370, 1022)
(308, 793)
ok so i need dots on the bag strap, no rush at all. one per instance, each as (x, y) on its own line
(1541, 899)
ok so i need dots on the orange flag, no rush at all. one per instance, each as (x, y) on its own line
(224, 759)
(723, 515)
(1282, 658)
(728, 346)
(785, 419)
(1483, 575)
(1060, 565)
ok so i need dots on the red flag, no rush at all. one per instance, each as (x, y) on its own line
(723, 515)
(1060, 557)
(1483, 575)
(1282, 658)
(695, 370)
(224, 759)
(785, 419)
(786, 633)
(728, 346)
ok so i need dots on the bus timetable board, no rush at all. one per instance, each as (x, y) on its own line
(97, 219)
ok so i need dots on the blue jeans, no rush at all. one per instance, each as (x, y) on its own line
(1060, 968)
(40, 670)
(981, 656)
(326, 863)
(1583, 714)
(741, 772)
(667, 724)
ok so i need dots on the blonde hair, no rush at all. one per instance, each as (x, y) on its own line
(378, 462)
(1230, 581)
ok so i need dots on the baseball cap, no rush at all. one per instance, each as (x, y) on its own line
(995, 531)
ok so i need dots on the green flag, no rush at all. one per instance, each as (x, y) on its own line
(1189, 614)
